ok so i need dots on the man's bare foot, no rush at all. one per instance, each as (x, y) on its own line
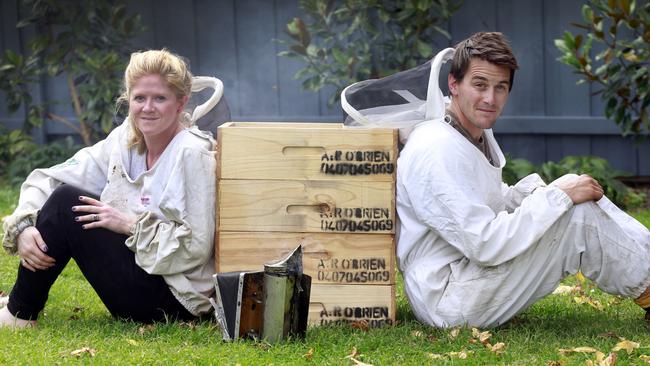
(8, 320)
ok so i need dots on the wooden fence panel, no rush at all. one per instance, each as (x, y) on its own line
(529, 147)
(619, 152)
(473, 17)
(559, 146)
(257, 63)
(519, 20)
(562, 97)
(289, 89)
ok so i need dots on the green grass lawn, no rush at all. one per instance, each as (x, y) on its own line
(75, 320)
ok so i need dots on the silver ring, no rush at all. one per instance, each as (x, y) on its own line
(95, 217)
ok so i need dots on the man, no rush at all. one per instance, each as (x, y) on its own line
(474, 251)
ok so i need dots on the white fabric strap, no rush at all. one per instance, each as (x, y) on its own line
(435, 100)
(201, 82)
(351, 111)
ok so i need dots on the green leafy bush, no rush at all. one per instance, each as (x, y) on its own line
(622, 32)
(345, 41)
(596, 167)
(40, 157)
(13, 144)
(85, 42)
(516, 169)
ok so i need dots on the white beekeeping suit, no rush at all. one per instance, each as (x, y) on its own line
(475, 251)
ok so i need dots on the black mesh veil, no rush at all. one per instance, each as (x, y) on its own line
(402, 100)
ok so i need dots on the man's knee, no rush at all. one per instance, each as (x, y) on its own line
(585, 212)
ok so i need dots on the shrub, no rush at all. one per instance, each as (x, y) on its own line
(85, 42)
(622, 31)
(596, 167)
(41, 157)
(345, 41)
(13, 144)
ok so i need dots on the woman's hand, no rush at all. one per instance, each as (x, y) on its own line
(103, 215)
(31, 250)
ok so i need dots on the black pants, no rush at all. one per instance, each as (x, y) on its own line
(126, 289)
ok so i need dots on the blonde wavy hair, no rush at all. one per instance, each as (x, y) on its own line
(172, 68)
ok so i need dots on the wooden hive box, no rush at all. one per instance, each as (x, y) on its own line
(328, 187)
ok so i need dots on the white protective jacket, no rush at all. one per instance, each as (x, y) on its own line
(174, 202)
(453, 206)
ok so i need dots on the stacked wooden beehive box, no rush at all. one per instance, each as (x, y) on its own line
(322, 185)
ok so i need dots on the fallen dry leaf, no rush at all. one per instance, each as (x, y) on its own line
(353, 354)
(462, 354)
(83, 350)
(498, 348)
(601, 360)
(645, 358)
(628, 346)
(481, 336)
(147, 328)
(565, 351)
(453, 333)
(565, 290)
(132, 342)
(309, 355)
(432, 338)
(582, 299)
(554, 363)
(359, 363)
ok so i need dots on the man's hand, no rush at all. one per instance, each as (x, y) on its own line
(31, 250)
(103, 215)
(580, 189)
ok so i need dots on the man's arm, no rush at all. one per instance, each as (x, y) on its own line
(514, 195)
(453, 199)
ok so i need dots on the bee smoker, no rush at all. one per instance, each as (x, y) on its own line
(272, 304)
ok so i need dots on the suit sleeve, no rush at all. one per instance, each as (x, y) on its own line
(514, 195)
(86, 169)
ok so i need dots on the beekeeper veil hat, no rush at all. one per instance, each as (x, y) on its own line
(402, 100)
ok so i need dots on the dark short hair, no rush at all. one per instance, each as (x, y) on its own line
(492, 47)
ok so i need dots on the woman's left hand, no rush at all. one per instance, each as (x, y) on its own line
(103, 215)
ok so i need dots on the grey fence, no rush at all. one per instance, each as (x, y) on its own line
(548, 116)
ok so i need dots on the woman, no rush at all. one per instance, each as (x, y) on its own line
(142, 229)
